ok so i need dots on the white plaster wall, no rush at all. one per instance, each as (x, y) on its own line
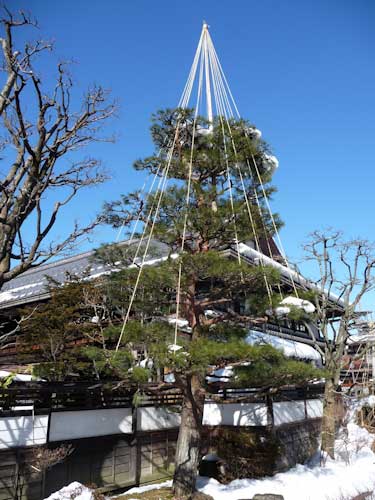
(314, 408)
(23, 431)
(90, 423)
(152, 419)
(242, 414)
(26, 431)
(288, 411)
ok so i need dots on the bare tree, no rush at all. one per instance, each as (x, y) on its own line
(346, 274)
(40, 133)
(38, 461)
(43, 458)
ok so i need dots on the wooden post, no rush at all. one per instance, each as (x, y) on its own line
(269, 404)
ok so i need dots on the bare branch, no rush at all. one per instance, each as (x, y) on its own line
(40, 128)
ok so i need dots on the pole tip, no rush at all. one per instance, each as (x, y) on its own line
(205, 25)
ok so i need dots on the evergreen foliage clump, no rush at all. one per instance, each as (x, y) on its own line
(54, 330)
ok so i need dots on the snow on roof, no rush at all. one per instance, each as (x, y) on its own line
(290, 348)
(285, 271)
(221, 374)
(361, 338)
(18, 377)
(19, 292)
(33, 284)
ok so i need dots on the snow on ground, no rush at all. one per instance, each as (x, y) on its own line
(73, 490)
(142, 489)
(79, 492)
(335, 481)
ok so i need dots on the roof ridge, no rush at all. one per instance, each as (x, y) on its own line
(55, 263)
(66, 260)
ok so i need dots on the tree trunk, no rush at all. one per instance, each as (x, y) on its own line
(189, 439)
(329, 420)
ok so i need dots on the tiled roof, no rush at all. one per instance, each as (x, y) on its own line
(32, 285)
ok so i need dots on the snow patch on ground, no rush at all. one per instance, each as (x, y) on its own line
(142, 489)
(73, 490)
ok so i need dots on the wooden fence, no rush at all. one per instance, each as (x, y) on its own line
(117, 460)
(76, 396)
(108, 462)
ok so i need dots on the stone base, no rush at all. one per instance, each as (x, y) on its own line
(299, 442)
(251, 452)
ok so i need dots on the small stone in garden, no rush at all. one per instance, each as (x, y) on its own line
(268, 496)
(197, 495)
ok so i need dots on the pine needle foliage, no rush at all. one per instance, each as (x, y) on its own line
(219, 298)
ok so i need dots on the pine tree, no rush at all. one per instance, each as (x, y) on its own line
(52, 333)
(219, 296)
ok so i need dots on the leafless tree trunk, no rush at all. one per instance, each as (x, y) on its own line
(39, 130)
(346, 274)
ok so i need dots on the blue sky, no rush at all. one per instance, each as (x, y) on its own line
(303, 71)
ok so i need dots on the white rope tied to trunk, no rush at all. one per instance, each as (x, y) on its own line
(187, 202)
(164, 182)
(223, 114)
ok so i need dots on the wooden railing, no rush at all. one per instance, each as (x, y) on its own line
(292, 393)
(77, 396)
